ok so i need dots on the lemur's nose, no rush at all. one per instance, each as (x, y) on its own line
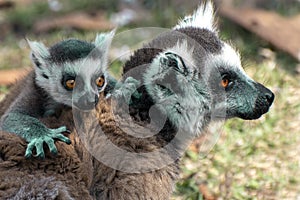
(270, 97)
(266, 93)
(87, 101)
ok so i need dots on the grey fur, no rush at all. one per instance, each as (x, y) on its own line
(208, 61)
(45, 93)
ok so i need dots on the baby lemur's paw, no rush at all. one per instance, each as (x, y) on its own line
(127, 89)
(48, 138)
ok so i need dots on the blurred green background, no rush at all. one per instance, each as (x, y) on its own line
(252, 159)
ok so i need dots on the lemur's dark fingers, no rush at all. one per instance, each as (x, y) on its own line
(51, 145)
(29, 149)
(68, 131)
(62, 138)
(137, 95)
(60, 129)
(39, 149)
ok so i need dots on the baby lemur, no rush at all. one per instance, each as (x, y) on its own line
(71, 72)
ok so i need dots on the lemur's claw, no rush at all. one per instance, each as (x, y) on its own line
(127, 89)
(57, 134)
(29, 148)
(28, 154)
(66, 140)
(40, 156)
(137, 95)
(51, 145)
(39, 148)
(68, 131)
(60, 129)
(47, 138)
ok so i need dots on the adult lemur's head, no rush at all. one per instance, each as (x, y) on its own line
(198, 76)
(72, 69)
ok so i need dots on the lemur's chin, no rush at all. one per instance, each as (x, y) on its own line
(255, 115)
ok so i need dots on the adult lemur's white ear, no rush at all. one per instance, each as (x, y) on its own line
(39, 53)
(179, 58)
(203, 17)
(103, 40)
(183, 51)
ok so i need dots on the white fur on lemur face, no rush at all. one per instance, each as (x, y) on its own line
(178, 88)
(57, 67)
(195, 81)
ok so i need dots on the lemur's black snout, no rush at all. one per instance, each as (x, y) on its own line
(270, 97)
(264, 100)
(268, 94)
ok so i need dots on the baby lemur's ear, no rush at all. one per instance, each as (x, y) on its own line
(39, 53)
(102, 43)
(103, 40)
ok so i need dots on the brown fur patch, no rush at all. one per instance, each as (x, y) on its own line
(75, 173)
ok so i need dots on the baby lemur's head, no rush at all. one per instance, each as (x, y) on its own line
(199, 77)
(72, 71)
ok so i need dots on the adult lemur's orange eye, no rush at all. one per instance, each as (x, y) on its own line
(70, 84)
(100, 81)
(224, 82)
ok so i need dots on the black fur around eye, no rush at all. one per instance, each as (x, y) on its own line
(68, 82)
(226, 76)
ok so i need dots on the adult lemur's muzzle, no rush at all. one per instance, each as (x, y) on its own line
(266, 94)
(263, 101)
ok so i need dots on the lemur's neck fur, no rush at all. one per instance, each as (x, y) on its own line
(144, 56)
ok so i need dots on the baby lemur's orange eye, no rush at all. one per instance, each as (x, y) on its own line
(224, 82)
(100, 81)
(70, 84)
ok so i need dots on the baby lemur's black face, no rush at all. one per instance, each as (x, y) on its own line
(73, 72)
